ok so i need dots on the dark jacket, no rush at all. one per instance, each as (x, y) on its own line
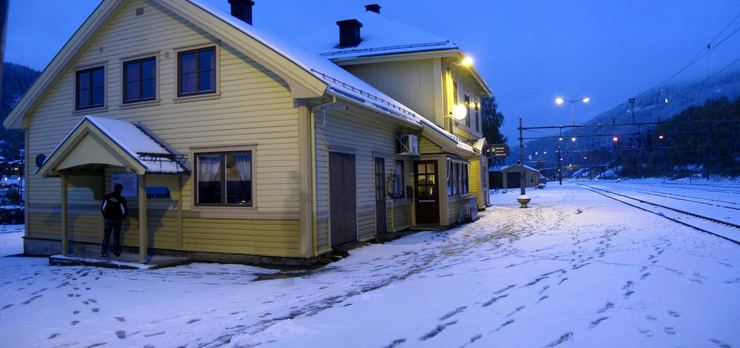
(114, 207)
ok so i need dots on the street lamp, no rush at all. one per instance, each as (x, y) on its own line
(561, 101)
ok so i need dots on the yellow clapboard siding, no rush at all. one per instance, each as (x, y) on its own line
(377, 138)
(254, 107)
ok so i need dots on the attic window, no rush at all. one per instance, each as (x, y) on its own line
(90, 88)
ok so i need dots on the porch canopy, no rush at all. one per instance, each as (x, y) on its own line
(96, 143)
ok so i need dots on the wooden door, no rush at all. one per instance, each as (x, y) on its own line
(427, 192)
(380, 212)
(342, 198)
(513, 180)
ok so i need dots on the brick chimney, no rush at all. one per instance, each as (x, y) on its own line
(372, 8)
(242, 9)
(349, 33)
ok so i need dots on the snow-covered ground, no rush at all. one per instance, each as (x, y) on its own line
(576, 269)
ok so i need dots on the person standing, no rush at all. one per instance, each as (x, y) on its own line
(115, 210)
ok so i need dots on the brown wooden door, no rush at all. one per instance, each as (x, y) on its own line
(342, 198)
(380, 212)
(427, 193)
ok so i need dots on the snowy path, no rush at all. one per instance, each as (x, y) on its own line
(575, 269)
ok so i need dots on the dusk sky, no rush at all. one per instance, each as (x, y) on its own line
(528, 51)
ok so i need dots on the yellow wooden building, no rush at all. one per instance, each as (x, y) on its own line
(235, 145)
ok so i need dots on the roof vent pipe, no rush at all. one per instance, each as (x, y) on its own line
(372, 8)
(349, 33)
(242, 9)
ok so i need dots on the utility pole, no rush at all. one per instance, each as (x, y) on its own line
(560, 165)
(522, 181)
(632, 103)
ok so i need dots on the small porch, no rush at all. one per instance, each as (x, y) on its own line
(95, 155)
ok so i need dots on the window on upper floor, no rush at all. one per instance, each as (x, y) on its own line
(454, 93)
(139, 80)
(224, 178)
(477, 115)
(196, 72)
(467, 106)
(90, 88)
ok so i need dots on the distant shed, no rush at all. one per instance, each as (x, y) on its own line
(509, 176)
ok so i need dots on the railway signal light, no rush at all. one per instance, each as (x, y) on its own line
(615, 138)
(661, 137)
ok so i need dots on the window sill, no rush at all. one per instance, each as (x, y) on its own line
(197, 97)
(90, 111)
(140, 104)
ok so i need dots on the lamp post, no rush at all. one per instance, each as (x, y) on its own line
(561, 101)
(522, 199)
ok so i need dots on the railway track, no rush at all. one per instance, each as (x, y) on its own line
(704, 187)
(655, 208)
(687, 198)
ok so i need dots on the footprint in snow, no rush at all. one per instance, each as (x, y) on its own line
(606, 307)
(598, 321)
(505, 324)
(396, 343)
(646, 332)
(674, 314)
(720, 343)
(121, 334)
(669, 330)
(437, 330)
(120, 319)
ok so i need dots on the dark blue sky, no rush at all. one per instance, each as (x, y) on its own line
(528, 51)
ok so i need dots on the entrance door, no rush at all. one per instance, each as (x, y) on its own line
(513, 180)
(427, 194)
(342, 198)
(380, 211)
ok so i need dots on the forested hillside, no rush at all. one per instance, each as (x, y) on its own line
(16, 80)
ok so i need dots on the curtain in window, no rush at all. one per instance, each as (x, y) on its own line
(209, 168)
(243, 164)
(210, 179)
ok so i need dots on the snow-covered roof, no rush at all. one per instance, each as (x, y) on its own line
(136, 142)
(380, 36)
(518, 165)
(340, 82)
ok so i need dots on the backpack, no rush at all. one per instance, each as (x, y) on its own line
(113, 207)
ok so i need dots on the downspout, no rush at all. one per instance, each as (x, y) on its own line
(312, 141)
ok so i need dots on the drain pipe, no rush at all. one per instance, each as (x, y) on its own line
(312, 140)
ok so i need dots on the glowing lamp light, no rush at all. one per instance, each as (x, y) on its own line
(573, 139)
(586, 99)
(466, 61)
(560, 139)
(459, 112)
(661, 137)
(615, 139)
(559, 100)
